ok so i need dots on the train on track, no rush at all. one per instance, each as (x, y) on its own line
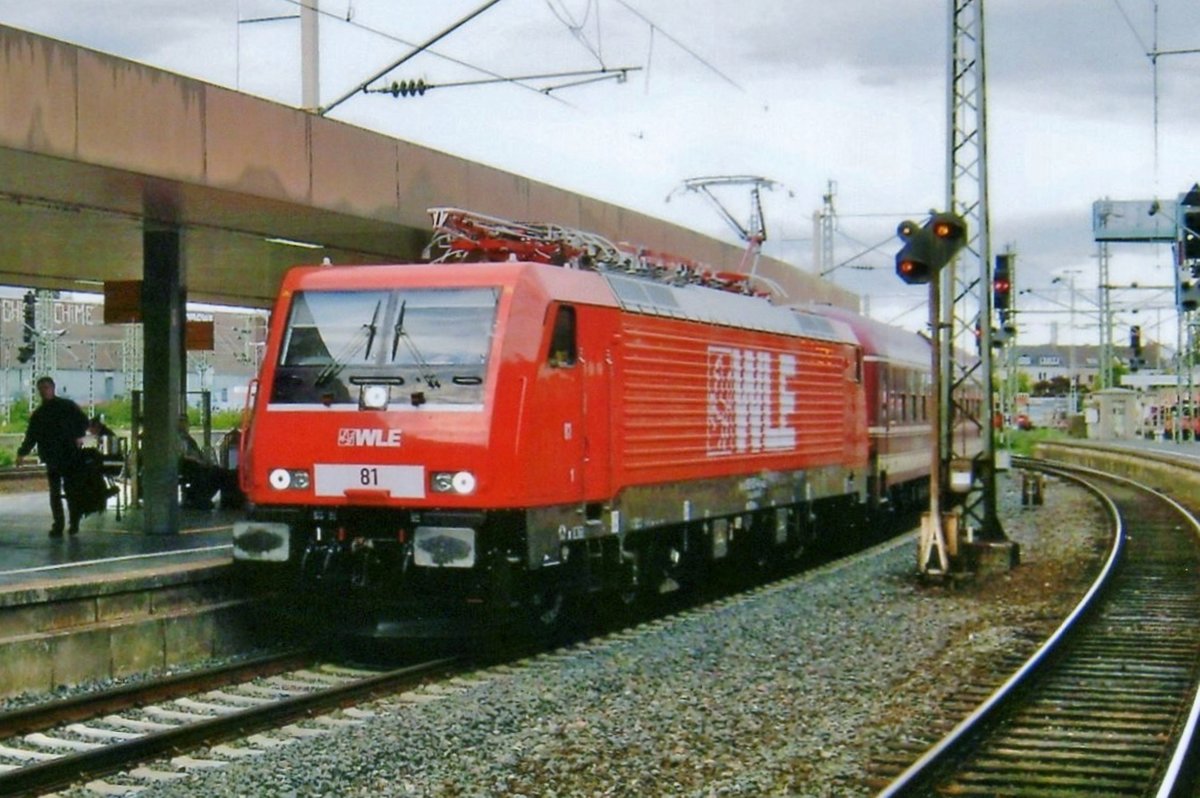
(537, 416)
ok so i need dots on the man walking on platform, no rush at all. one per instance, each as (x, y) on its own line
(56, 427)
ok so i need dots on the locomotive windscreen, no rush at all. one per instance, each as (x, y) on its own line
(429, 344)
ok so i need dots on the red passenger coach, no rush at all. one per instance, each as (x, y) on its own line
(899, 395)
(433, 446)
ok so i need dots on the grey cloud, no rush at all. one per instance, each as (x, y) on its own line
(1078, 55)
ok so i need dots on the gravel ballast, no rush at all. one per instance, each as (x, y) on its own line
(788, 691)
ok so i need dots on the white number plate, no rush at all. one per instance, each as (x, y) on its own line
(401, 481)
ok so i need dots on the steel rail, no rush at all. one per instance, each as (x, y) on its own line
(19, 473)
(942, 751)
(1176, 770)
(916, 780)
(70, 768)
(39, 717)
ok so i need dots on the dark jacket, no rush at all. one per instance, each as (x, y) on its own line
(55, 426)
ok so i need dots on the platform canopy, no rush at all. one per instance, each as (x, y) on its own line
(94, 147)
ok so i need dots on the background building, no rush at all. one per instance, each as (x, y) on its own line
(93, 362)
(1046, 363)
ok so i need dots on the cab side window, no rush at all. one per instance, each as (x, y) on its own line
(563, 351)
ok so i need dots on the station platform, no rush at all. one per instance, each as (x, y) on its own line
(105, 547)
(1170, 467)
(1189, 450)
(114, 601)
(1186, 452)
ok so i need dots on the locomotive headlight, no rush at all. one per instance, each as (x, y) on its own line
(460, 482)
(463, 482)
(280, 479)
(374, 396)
(284, 478)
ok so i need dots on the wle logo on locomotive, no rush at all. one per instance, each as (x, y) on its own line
(749, 402)
(352, 436)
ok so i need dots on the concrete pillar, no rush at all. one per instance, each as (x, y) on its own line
(164, 296)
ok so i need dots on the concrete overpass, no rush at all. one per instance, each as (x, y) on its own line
(111, 169)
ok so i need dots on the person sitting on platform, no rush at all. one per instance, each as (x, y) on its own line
(101, 434)
(198, 477)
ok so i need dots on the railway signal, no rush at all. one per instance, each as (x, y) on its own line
(1189, 295)
(1002, 292)
(1002, 284)
(929, 247)
(29, 327)
(1189, 229)
(1135, 345)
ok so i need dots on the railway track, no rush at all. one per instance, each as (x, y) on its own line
(14, 474)
(235, 711)
(54, 745)
(1108, 705)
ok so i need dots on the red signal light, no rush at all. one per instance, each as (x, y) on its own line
(913, 271)
(947, 226)
(928, 247)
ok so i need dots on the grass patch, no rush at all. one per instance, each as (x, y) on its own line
(1022, 441)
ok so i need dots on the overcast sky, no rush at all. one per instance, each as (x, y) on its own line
(801, 92)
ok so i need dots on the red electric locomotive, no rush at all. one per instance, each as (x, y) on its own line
(436, 446)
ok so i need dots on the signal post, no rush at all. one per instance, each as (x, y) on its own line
(928, 249)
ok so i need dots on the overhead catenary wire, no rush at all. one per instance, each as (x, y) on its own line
(415, 52)
(654, 26)
(1153, 53)
(428, 51)
(593, 75)
(563, 15)
(1132, 28)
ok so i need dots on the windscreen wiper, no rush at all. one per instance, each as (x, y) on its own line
(427, 373)
(335, 366)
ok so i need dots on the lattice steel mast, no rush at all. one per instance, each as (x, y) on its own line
(966, 297)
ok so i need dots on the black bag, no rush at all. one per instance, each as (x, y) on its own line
(87, 489)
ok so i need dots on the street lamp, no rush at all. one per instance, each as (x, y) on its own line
(1072, 399)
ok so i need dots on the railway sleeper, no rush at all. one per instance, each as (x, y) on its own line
(1085, 722)
(1088, 743)
(1008, 781)
(1021, 754)
(1081, 769)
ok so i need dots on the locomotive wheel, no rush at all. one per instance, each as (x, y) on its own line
(549, 609)
(673, 576)
(546, 612)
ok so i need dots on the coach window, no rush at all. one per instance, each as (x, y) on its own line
(562, 342)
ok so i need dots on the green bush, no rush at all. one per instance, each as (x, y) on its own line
(1023, 440)
(117, 414)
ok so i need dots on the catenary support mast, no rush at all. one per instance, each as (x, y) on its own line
(966, 300)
